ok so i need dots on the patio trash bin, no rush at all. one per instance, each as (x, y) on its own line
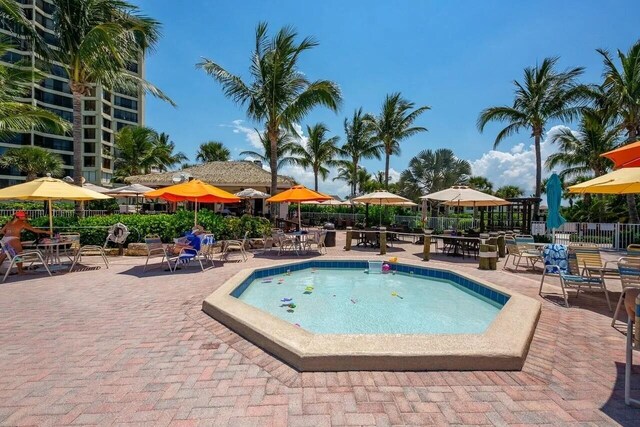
(330, 238)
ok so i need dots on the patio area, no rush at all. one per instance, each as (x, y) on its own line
(121, 346)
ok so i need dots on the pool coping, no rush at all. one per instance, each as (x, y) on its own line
(503, 346)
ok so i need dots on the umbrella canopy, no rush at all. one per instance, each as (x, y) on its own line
(49, 189)
(461, 195)
(299, 194)
(250, 193)
(627, 156)
(130, 190)
(554, 198)
(193, 191)
(382, 198)
(96, 188)
(620, 181)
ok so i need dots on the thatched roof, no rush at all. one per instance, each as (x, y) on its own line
(220, 174)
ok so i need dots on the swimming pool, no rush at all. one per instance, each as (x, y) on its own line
(329, 315)
(354, 301)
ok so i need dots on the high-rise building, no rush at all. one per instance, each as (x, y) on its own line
(103, 113)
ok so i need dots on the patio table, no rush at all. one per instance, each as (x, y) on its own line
(455, 243)
(51, 252)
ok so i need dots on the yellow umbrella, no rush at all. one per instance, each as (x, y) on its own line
(621, 181)
(49, 189)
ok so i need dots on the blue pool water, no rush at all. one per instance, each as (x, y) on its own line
(350, 301)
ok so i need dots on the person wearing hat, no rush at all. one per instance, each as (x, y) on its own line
(11, 235)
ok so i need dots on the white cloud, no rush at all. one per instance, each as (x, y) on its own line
(250, 134)
(394, 175)
(516, 166)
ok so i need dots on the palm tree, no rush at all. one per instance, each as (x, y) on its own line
(394, 124)
(279, 95)
(580, 152)
(16, 117)
(432, 171)
(285, 147)
(213, 151)
(98, 39)
(141, 150)
(360, 144)
(319, 152)
(32, 161)
(348, 174)
(480, 183)
(544, 95)
(164, 152)
(622, 93)
(509, 192)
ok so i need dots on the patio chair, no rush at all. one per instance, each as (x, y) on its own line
(591, 264)
(207, 246)
(285, 243)
(629, 270)
(525, 241)
(531, 256)
(267, 243)
(76, 250)
(560, 260)
(25, 257)
(155, 248)
(317, 240)
(235, 245)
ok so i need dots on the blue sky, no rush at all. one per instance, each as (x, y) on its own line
(457, 57)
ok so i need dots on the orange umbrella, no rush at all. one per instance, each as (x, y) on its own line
(298, 193)
(627, 156)
(193, 191)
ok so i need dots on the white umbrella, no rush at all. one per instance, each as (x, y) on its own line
(460, 195)
(250, 193)
(130, 190)
(381, 198)
(96, 188)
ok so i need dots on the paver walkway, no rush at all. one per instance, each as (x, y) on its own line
(119, 346)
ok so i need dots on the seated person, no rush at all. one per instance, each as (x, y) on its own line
(11, 235)
(191, 240)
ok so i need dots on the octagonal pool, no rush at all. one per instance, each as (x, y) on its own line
(332, 315)
(359, 301)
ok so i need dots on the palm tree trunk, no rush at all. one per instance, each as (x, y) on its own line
(77, 146)
(354, 178)
(536, 206)
(386, 170)
(273, 165)
(315, 180)
(631, 198)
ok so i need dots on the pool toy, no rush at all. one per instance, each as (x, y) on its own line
(297, 324)
(292, 305)
(354, 300)
(308, 288)
(395, 294)
(393, 260)
(286, 300)
(386, 268)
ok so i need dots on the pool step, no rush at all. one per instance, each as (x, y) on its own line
(375, 267)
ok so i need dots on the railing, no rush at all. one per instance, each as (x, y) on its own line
(605, 235)
(412, 221)
(37, 213)
(332, 216)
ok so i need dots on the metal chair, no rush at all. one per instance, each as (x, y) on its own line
(629, 271)
(28, 256)
(156, 248)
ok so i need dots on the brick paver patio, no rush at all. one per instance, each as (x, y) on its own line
(119, 346)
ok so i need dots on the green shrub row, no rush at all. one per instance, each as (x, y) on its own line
(93, 230)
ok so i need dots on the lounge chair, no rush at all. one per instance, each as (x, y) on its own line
(155, 248)
(629, 271)
(560, 260)
(515, 251)
(235, 245)
(591, 264)
(633, 250)
(25, 257)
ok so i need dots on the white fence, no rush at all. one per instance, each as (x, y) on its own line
(37, 213)
(606, 235)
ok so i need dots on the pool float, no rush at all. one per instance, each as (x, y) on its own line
(386, 268)
(395, 294)
(286, 300)
(292, 305)
(308, 288)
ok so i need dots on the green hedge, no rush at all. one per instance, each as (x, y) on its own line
(93, 230)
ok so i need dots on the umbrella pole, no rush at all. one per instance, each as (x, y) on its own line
(380, 219)
(195, 215)
(299, 218)
(50, 217)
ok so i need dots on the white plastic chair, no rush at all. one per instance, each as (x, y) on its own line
(28, 256)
